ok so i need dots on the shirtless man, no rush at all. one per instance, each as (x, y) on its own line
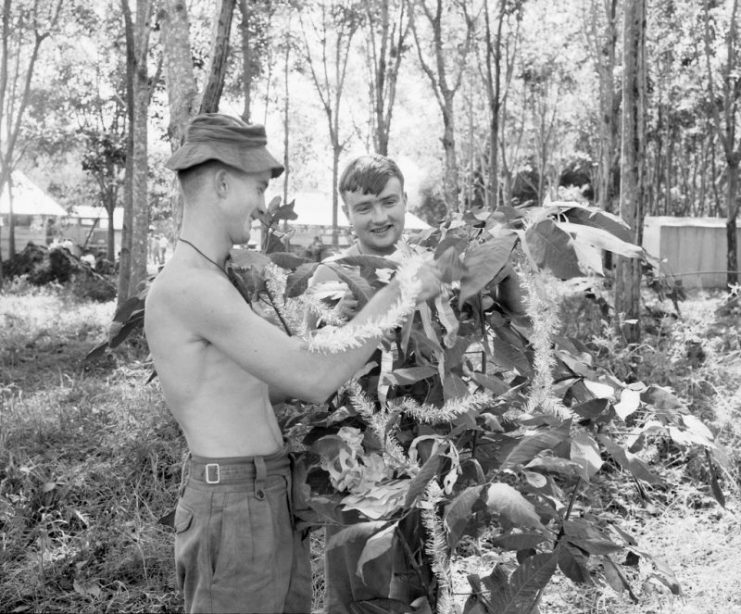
(221, 366)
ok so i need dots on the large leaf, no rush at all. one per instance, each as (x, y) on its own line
(496, 384)
(287, 260)
(573, 564)
(533, 444)
(509, 356)
(379, 544)
(459, 513)
(517, 541)
(409, 375)
(507, 501)
(588, 537)
(630, 401)
(298, 281)
(129, 307)
(601, 239)
(419, 482)
(585, 451)
(628, 461)
(361, 289)
(599, 218)
(616, 578)
(483, 262)
(552, 248)
(521, 594)
(358, 530)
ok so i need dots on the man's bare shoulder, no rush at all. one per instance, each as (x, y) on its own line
(180, 289)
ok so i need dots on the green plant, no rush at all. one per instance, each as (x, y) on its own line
(476, 418)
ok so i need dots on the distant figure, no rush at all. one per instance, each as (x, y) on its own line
(51, 230)
(162, 244)
(290, 231)
(316, 248)
(152, 246)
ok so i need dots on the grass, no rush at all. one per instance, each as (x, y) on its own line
(90, 462)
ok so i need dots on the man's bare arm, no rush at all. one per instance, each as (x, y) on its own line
(214, 310)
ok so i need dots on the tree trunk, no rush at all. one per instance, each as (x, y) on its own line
(181, 84)
(493, 90)
(244, 33)
(444, 84)
(628, 273)
(111, 238)
(11, 221)
(182, 93)
(385, 42)
(133, 259)
(732, 209)
(450, 176)
(224, 12)
(140, 226)
(286, 109)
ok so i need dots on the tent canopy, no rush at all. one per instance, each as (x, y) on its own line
(315, 209)
(28, 198)
(91, 213)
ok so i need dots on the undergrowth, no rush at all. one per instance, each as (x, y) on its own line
(90, 458)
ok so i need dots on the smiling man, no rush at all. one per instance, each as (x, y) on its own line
(221, 366)
(372, 190)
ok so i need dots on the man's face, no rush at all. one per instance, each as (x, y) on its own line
(378, 220)
(247, 202)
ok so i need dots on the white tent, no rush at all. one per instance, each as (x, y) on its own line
(28, 198)
(90, 214)
(315, 209)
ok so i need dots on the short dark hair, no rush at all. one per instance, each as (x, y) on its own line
(369, 174)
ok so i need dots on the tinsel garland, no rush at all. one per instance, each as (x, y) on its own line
(428, 414)
(332, 339)
(543, 311)
(436, 546)
(378, 421)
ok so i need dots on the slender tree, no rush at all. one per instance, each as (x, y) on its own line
(182, 93)
(724, 107)
(133, 259)
(632, 176)
(328, 32)
(387, 24)
(223, 17)
(498, 28)
(434, 53)
(25, 26)
(602, 35)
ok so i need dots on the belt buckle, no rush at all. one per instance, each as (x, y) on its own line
(217, 472)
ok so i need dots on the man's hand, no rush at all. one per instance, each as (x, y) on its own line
(348, 306)
(430, 277)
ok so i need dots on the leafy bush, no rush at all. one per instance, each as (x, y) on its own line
(476, 420)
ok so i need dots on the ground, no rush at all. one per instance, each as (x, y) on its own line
(90, 461)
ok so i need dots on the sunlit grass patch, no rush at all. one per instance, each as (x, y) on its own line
(89, 462)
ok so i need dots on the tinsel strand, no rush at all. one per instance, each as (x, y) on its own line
(428, 414)
(436, 547)
(332, 339)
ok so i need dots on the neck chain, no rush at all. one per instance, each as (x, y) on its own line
(216, 264)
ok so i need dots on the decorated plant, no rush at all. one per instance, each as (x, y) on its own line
(476, 418)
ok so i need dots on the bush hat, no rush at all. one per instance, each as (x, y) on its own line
(213, 136)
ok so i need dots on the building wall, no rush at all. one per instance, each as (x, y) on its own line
(694, 249)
